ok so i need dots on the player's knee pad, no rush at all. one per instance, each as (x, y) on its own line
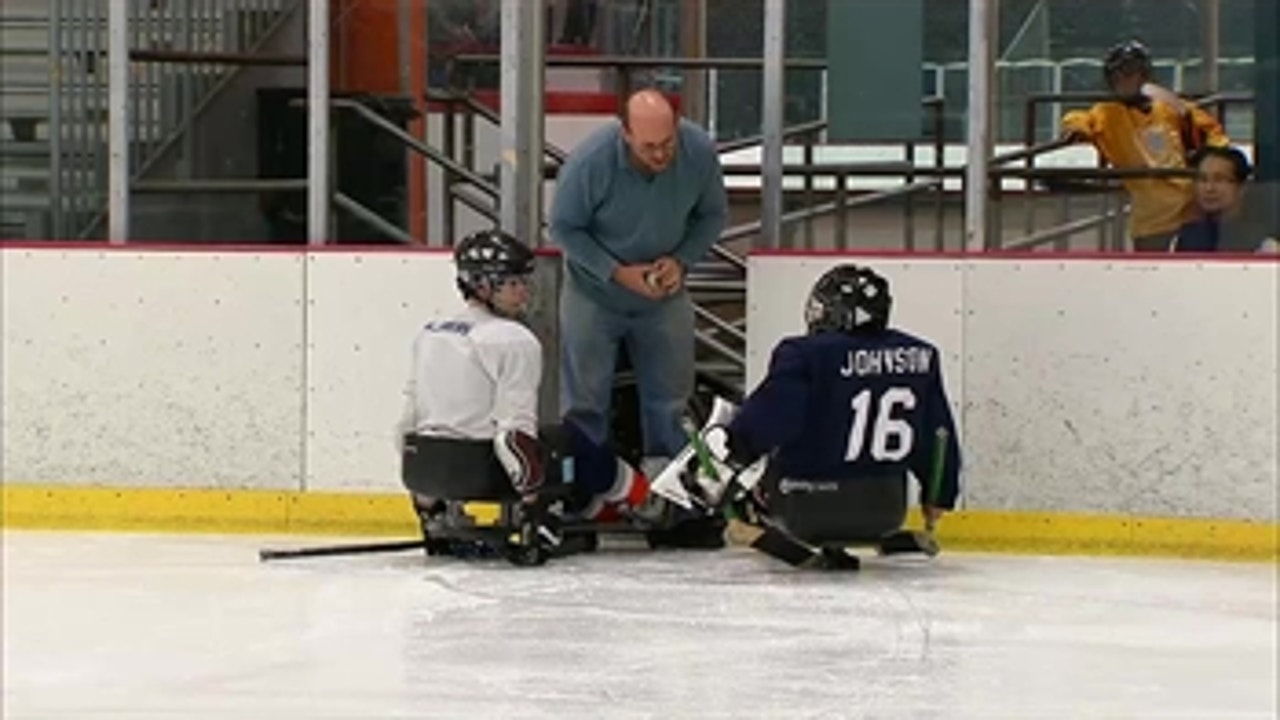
(521, 456)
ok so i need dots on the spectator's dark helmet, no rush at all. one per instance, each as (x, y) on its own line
(1128, 56)
(849, 298)
(487, 257)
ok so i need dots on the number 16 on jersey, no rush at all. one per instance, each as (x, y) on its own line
(886, 437)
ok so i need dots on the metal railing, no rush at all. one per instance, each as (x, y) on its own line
(242, 186)
(1068, 183)
(178, 69)
(459, 67)
(810, 133)
(1054, 75)
(715, 336)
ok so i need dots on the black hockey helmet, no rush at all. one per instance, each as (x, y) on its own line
(849, 298)
(1128, 56)
(488, 257)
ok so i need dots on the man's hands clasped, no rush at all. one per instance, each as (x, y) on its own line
(655, 280)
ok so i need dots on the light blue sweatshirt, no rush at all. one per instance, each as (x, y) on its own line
(606, 212)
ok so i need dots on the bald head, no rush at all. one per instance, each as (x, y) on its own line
(648, 107)
(649, 129)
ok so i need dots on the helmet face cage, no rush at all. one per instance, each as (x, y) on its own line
(487, 259)
(1128, 57)
(849, 299)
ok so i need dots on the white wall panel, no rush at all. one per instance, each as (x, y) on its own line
(1088, 386)
(152, 368)
(363, 311)
(1145, 388)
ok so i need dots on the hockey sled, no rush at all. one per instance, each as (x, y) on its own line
(479, 515)
(483, 516)
(779, 544)
(809, 523)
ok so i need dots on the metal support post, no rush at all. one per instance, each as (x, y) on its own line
(56, 183)
(1266, 123)
(693, 42)
(1211, 27)
(771, 126)
(522, 66)
(118, 122)
(318, 176)
(982, 19)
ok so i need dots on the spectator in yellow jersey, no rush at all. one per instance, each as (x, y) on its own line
(1146, 126)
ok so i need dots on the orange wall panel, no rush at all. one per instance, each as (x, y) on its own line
(365, 52)
(366, 46)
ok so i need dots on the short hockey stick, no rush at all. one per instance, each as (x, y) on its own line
(331, 550)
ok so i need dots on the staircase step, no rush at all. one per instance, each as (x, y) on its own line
(18, 8)
(24, 69)
(18, 148)
(27, 173)
(23, 200)
(715, 271)
(38, 150)
(20, 36)
(28, 64)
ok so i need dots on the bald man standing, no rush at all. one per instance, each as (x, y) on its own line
(637, 204)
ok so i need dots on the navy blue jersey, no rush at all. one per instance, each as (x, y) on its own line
(837, 406)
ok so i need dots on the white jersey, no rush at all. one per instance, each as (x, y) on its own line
(473, 376)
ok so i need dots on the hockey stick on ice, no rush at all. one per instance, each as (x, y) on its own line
(331, 550)
(770, 541)
(762, 537)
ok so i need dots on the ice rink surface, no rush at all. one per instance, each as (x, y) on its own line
(150, 626)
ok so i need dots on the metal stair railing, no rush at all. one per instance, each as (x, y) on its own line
(718, 284)
(176, 75)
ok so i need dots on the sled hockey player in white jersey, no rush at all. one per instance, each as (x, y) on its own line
(470, 428)
(825, 444)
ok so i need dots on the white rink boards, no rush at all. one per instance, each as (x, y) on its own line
(1087, 386)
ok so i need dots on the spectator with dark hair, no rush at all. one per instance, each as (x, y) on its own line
(1146, 126)
(1226, 223)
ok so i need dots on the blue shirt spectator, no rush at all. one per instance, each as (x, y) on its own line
(636, 205)
(611, 210)
(1227, 222)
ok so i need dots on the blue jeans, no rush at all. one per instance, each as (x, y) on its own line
(659, 342)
